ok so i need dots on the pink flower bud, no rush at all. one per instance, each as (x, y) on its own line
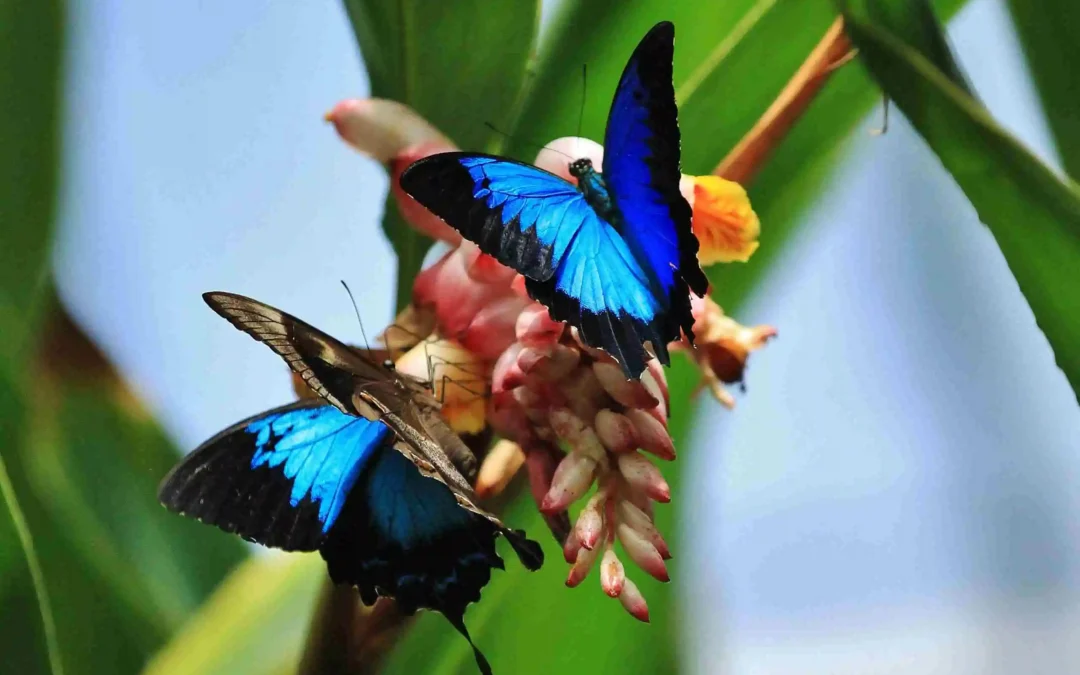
(589, 526)
(612, 574)
(571, 547)
(485, 269)
(630, 393)
(535, 327)
(573, 431)
(640, 521)
(572, 479)
(617, 432)
(642, 552)
(583, 562)
(642, 475)
(491, 331)
(656, 384)
(651, 435)
(634, 602)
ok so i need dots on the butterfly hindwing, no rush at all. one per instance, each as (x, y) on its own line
(641, 170)
(280, 478)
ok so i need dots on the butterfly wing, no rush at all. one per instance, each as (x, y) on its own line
(538, 224)
(307, 476)
(353, 384)
(641, 170)
(280, 478)
(404, 534)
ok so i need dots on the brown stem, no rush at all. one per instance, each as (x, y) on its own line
(348, 638)
(748, 156)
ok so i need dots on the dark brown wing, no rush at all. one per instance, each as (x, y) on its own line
(331, 368)
(354, 383)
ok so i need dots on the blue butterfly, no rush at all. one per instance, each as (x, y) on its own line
(615, 255)
(368, 474)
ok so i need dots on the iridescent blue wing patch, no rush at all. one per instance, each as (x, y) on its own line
(575, 262)
(280, 478)
(642, 173)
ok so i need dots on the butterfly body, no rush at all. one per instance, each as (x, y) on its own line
(368, 475)
(613, 255)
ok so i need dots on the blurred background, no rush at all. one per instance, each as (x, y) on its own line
(894, 493)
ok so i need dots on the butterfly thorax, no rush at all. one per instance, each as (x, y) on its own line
(592, 185)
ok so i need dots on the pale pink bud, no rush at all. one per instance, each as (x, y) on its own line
(616, 431)
(583, 562)
(485, 269)
(571, 547)
(589, 526)
(499, 467)
(634, 517)
(630, 393)
(656, 384)
(540, 462)
(640, 473)
(612, 574)
(642, 552)
(557, 155)
(572, 430)
(506, 375)
(634, 602)
(571, 481)
(491, 331)
(535, 326)
(382, 129)
(651, 435)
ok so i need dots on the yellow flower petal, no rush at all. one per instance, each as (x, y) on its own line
(724, 222)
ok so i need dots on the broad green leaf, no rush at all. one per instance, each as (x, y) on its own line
(460, 64)
(253, 624)
(1047, 30)
(1033, 214)
(601, 35)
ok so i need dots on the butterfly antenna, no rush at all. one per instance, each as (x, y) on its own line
(357, 310)
(528, 142)
(581, 109)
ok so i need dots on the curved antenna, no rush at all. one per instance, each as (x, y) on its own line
(581, 109)
(356, 309)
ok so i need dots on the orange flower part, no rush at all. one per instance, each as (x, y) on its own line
(458, 379)
(724, 222)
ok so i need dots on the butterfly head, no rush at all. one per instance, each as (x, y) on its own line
(580, 167)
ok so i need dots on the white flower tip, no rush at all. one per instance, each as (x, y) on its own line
(557, 155)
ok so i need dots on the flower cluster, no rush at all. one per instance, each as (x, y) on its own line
(565, 411)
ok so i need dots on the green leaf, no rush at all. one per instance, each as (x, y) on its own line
(1033, 214)
(31, 36)
(253, 624)
(460, 64)
(1047, 31)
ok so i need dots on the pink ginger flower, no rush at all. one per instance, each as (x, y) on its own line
(565, 410)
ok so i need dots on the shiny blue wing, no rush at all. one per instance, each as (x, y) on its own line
(575, 262)
(280, 478)
(641, 171)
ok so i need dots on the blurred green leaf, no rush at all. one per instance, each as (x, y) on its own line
(602, 34)
(253, 624)
(460, 64)
(1047, 30)
(1033, 214)
(31, 38)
